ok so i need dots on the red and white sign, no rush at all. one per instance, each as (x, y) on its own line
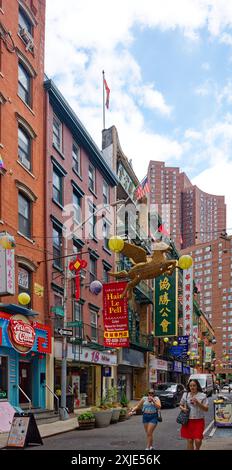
(7, 272)
(21, 333)
(115, 315)
(187, 301)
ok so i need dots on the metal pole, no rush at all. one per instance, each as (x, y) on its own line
(63, 410)
(103, 104)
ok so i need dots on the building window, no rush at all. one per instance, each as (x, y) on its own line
(105, 274)
(24, 282)
(3, 378)
(57, 133)
(93, 320)
(92, 269)
(92, 221)
(106, 233)
(24, 23)
(24, 148)
(106, 198)
(24, 215)
(24, 84)
(57, 247)
(57, 187)
(77, 208)
(76, 158)
(91, 178)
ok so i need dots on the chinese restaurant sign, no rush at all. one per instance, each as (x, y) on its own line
(194, 343)
(208, 354)
(166, 305)
(115, 315)
(187, 301)
(7, 272)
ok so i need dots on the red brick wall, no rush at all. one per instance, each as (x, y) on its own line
(9, 140)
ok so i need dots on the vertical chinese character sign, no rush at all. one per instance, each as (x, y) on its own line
(194, 342)
(187, 301)
(115, 315)
(166, 305)
(7, 272)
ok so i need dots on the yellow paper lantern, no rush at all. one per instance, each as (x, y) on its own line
(116, 244)
(188, 353)
(166, 340)
(198, 362)
(175, 343)
(185, 262)
(24, 298)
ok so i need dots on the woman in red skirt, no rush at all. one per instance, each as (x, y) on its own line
(197, 402)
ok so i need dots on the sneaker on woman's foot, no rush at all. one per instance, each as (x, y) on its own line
(147, 448)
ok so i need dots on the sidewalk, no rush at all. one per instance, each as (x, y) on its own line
(221, 439)
(58, 427)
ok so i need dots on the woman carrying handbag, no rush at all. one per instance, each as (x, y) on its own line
(151, 415)
(194, 403)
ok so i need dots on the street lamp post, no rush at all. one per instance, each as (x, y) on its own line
(63, 409)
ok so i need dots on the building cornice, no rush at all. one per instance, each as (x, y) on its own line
(67, 115)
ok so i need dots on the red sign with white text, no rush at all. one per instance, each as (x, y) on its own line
(115, 315)
(21, 333)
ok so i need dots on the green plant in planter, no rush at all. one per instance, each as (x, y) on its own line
(124, 400)
(86, 416)
(123, 412)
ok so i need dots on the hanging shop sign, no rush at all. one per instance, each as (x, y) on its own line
(187, 301)
(166, 305)
(115, 315)
(76, 266)
(208, 354)
(194, 342)
(21, 333)
(126, 181)
(16, 331)
(177, 366)
(7, 272)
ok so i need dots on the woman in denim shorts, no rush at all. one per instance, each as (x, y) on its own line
(150, 405)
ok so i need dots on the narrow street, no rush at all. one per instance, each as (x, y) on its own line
(128, 435)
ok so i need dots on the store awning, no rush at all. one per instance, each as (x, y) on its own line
(14, 309)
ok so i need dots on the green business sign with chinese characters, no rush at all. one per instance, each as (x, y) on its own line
(166, 305)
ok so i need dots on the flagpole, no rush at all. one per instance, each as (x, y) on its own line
(103, 104)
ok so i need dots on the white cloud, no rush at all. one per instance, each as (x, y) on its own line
(84, 37)
(192, 134)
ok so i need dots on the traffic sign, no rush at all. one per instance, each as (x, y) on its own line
(64, 332)
(74, 323)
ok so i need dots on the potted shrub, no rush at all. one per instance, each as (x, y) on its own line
(86, 420)
(103, 415)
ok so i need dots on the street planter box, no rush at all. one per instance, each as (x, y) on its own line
(86, 424)
(103, 418)
(115, 415)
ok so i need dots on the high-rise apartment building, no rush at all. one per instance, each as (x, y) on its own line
(192, 216)
(213, 274)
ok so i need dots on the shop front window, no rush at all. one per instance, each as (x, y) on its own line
(3, 378)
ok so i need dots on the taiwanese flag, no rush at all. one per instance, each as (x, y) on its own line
(107, 94)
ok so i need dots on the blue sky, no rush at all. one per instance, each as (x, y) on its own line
(168, 65)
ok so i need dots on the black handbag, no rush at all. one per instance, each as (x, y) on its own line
(183, 416)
